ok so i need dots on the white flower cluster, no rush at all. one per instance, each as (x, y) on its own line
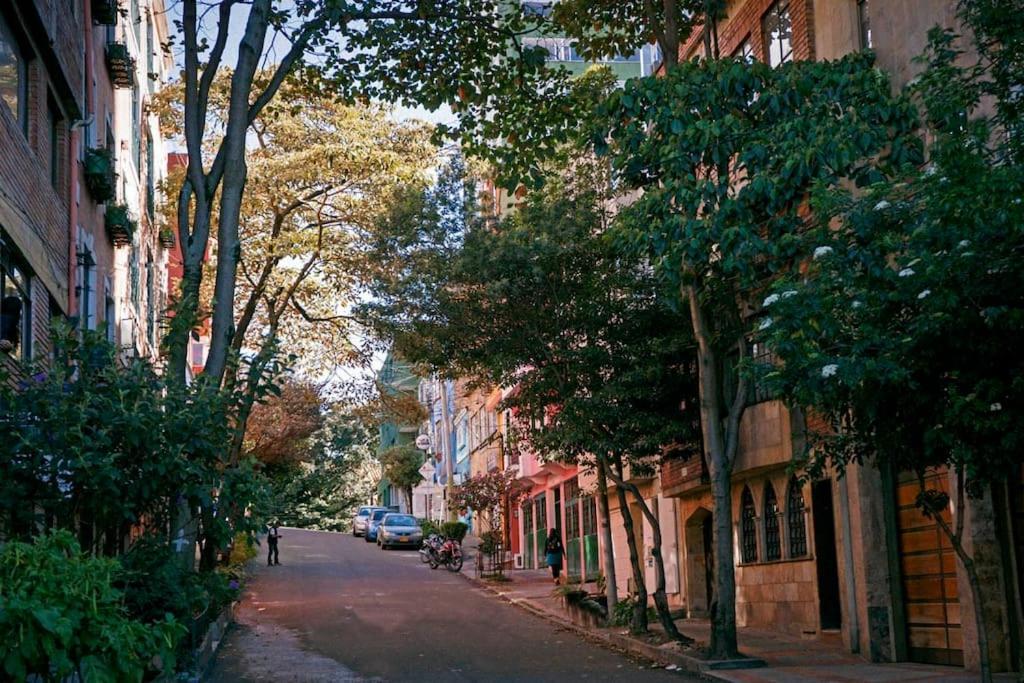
(995, 407)
(882, 205)
(769, 300)
(821, 252)
(765, 324)
(829, 370)
(924, 294)
(906, 272)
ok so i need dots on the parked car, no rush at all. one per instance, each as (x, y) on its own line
(373, 523)
(398, 530)
(361, 518)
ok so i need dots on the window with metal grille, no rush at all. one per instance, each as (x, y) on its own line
(763, 359)
(589, 516)
(796, 520)
(748, 526)
(777, 29)
(772, 537)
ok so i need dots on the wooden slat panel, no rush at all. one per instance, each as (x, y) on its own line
(928, 567)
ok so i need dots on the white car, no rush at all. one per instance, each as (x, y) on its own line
(362, 517)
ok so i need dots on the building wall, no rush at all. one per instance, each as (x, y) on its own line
(35, 162)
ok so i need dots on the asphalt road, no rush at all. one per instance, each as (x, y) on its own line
(340, 609)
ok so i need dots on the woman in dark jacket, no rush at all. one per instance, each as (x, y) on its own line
(554, 550)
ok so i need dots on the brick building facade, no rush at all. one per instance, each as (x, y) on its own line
(80, 162)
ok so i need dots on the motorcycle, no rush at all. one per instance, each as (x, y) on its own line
(431, 545)
(449, 554)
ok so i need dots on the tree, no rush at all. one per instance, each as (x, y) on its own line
(281, 429)
(339, 474)
(464, 53)
(903, 329)
(401, 466)
(725, 153)
(489, 494)
(542, 300)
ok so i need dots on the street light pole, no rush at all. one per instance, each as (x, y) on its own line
(446, 449)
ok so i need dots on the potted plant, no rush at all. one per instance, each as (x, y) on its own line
(166, 237)
(99, 173)
(104, 12)
(120, 226)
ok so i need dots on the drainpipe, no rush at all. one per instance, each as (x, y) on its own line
(449, 467)
(851, 583)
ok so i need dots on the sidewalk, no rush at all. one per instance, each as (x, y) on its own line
(787, 658)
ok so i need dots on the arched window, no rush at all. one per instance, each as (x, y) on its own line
(748, 526)
(772, 538)
(796, 520)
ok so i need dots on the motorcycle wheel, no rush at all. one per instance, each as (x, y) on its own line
(424, 556)
(454, 563)
(432, 561)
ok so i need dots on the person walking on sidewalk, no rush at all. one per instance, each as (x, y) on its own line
(272, 537)
(554, 551)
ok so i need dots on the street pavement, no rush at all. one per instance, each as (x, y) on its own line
(340, 609)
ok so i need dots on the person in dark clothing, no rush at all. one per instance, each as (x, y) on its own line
(272, 536)
(554, 550)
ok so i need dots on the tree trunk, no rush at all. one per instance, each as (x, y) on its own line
(956, 540)
(720, 449)
(639, 623)
(660, 596)
(611, 588)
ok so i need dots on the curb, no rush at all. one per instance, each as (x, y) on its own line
(701, 667)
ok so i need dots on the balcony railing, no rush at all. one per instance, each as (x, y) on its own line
(120, 225)
(121, 65)
(100, 177)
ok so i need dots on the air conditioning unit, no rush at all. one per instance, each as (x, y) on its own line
(517, 561)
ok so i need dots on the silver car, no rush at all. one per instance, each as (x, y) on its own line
(361, 518)
(398, 530)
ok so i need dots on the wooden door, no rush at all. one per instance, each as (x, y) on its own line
(928, 569)
(591, 560)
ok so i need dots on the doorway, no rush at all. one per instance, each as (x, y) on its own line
(826, 562)
(700, 563)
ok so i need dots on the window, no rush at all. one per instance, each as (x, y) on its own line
(536, 9)
(748, 526)
(777, 29)
(745, 51)
(53, 122)
(589, 516)
(15, 306)
(762, 358)
(772, 537)
(136, 127)
(796, 520)
(150, 179)
(13, 75)
(109, 318)
(86, 287)
(150, 300)
(864, 22)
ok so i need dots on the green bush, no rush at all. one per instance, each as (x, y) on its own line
(243, 549)
(62, 615)
(490, 541)
(428, 527)
(622, 615)
(455, 530)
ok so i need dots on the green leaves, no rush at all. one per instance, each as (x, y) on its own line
(62, 613)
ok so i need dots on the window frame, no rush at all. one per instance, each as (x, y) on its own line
(772, 525)
(748, 527)
(796, 520)
(13, 268)
(777, 10)
(9, 34)
(864, 24)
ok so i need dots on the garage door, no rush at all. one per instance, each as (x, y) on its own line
(928, 567)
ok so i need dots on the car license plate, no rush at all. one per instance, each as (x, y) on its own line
(404, 539)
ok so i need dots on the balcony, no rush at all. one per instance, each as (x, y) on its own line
(120, 226)
(167, 240)
(99, 174)
(104, 12)
(682, 475)
(121, 65)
